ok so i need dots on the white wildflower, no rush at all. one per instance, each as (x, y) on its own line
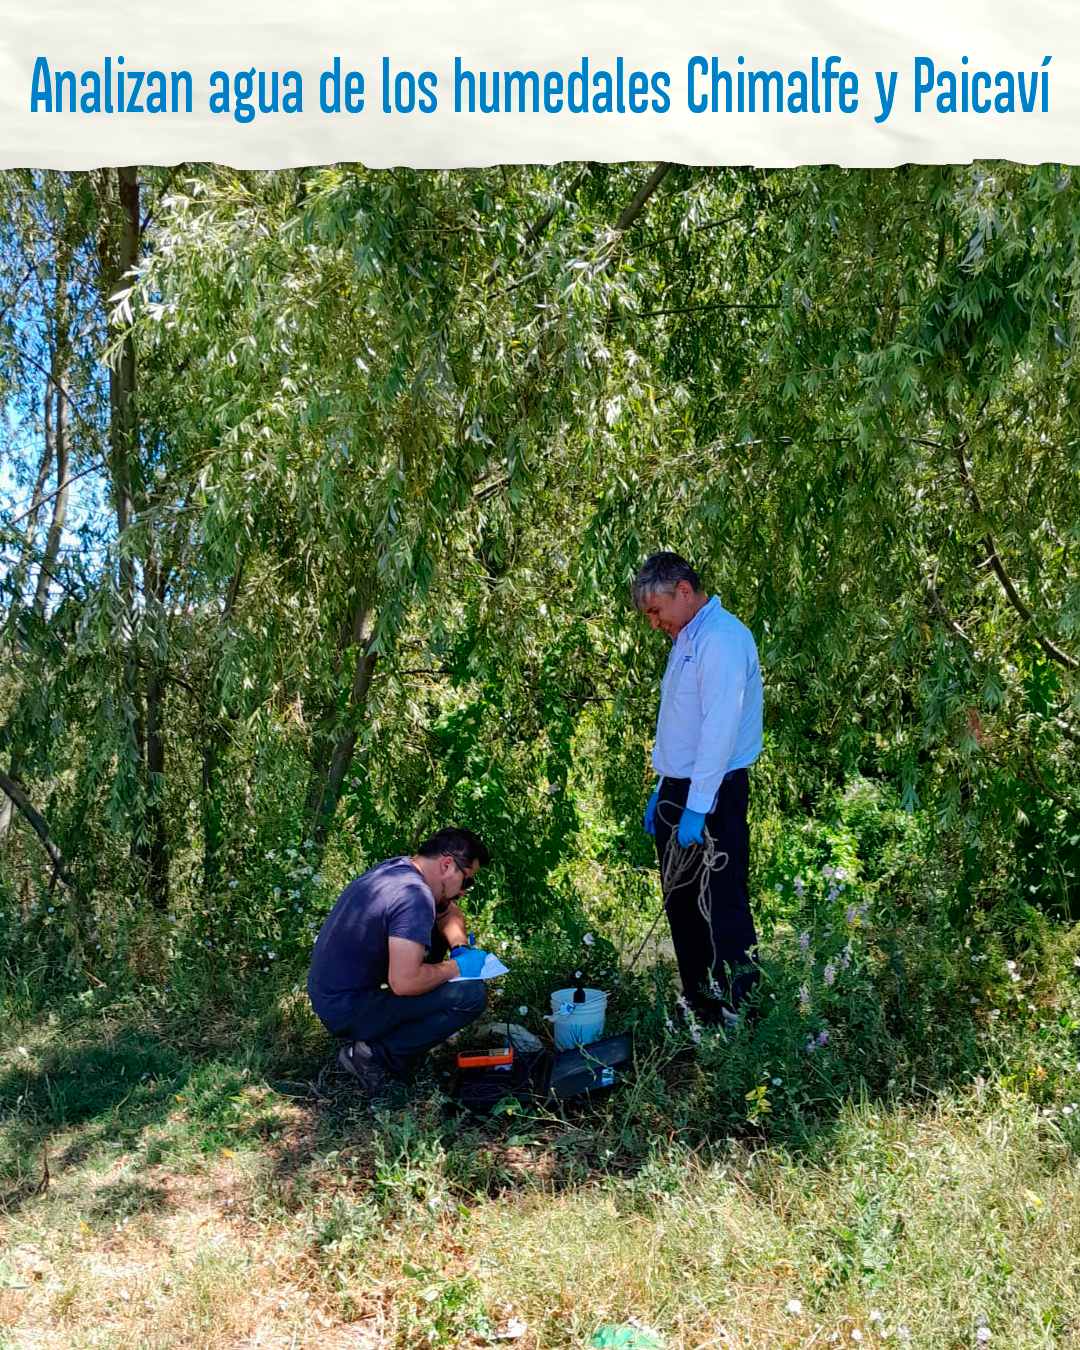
(794, 1306)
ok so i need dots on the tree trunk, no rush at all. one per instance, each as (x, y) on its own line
(213, 813)
(56, 449)
(56, 395)
(142, 700)
(336, 739)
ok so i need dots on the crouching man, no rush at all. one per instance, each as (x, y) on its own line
(378, 976)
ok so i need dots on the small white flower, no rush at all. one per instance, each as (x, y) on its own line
(233, 885)
(856, 1334)
(523, 1010)
(776, 1082)
(794, 1306)
(1010, 965)
(277, 892)
(903, 1333)
(589, 940)
(982, 1335)
(875, 1316)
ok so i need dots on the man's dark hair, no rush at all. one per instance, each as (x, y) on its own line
(462, 845)
(661, 573)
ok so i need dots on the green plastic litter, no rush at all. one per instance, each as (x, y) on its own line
(624, 1338)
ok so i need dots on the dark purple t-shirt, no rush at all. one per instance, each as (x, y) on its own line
(352, 952)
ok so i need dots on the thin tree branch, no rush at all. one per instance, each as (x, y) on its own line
(689, 309)
(1037, 780)
(641, 196)
(694, 229)
(930, 586)
(91, 468)
(537, 228)
(994, 559)
(1067, 729)
(37, 823)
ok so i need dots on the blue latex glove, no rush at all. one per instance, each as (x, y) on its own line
(691, 828)
(650, 812)
(470, 961)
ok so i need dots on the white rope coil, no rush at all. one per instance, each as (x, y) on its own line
(678, 867)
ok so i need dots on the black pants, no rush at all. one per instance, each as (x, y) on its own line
(402, 1028)
(718, 951)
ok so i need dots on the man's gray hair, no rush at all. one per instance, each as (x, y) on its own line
(661, 573)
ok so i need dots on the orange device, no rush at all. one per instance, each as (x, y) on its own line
(492, 1059)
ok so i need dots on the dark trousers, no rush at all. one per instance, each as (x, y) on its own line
(717, 951)
(402, 1028)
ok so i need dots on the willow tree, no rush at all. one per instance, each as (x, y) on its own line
(382, 370)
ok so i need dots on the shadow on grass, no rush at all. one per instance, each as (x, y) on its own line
(273, 1090)
(81, 1103)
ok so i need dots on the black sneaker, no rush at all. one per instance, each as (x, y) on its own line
(356, 1059)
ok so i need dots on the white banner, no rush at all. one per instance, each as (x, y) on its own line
(434, 84)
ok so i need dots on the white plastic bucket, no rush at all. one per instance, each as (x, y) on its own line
(577, 1023)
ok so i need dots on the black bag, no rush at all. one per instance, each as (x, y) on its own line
(536, 1079)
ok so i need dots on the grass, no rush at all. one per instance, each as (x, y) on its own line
(201, 1194)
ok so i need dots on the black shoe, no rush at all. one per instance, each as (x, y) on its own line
(356, 1059)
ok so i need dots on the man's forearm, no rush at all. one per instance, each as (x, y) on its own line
(424, 978)
(451, 924)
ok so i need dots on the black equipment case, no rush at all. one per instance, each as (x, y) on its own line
(542, 1078)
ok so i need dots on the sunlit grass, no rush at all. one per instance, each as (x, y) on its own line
(192, 1201)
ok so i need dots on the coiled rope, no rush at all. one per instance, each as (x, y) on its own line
(678, 868)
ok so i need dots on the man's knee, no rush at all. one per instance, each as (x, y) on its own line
(470, 998)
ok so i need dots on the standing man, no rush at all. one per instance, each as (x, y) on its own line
(708, 733)
(378, 978)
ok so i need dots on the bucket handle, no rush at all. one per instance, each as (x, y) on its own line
(568, 1009)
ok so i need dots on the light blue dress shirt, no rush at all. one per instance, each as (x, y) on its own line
(710, 704)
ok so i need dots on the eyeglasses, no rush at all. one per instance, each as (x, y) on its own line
(466, 879)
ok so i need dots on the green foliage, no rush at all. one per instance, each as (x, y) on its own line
(403, 440)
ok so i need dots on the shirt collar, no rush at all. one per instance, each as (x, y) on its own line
(689, 630)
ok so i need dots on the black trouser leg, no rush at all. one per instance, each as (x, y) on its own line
(401, 1029)
(716, 951)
